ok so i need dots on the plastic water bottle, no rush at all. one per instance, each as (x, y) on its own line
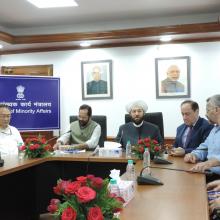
(113, 187)
(20, 152)
(130, 171)
(146, 161)
(128, 149)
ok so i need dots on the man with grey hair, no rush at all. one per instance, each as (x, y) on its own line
(138, 128)
(209, 150)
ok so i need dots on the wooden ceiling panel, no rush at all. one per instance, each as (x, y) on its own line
(202, 32)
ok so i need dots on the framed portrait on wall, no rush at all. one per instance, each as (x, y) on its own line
(96, 79)
(172, 77)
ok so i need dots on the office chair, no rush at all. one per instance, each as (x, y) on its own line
(152, 117)
(102, 121)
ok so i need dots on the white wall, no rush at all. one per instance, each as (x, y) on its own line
(133, 78)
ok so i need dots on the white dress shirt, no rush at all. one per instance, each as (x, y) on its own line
(10, 138)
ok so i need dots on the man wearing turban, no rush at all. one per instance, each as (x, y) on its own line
(138, 128)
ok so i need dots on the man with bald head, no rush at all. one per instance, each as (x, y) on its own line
(171, 83)
(97, 85)
(138, 128)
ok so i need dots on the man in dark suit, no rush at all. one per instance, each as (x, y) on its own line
(192, 132)
(138, 128)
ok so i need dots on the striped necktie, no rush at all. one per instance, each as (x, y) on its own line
(188, 136)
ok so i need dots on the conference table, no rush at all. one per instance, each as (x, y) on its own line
(26, 187)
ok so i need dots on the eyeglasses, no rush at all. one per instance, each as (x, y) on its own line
(8, 132)
(5, 116)
(210, 108)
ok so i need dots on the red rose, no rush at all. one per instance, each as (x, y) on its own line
(32, 147)
(157, 148)
(97, 182)
(141, 149)
(155, 141)
(43, 140)
(47, 147)
(60, 187)
(95, 213)
(85, 194)
(34, 139)
(90, 176)
(52, 208)
(82, 179)
(68, 214)
(146, 140)
(36, 146)
(54, 203)
(23, 147)
(148, 145)
(140, 141)
(72, 187)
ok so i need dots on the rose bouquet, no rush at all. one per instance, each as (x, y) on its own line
(35, 147)
(87, 198)
(152, 145)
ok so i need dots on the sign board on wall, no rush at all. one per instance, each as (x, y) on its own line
(34, 101)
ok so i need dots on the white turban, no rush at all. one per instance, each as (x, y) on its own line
(139, 104)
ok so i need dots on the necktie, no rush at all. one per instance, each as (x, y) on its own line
(188, 136)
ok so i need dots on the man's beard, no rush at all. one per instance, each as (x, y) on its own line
(137, 121)
(83, 123)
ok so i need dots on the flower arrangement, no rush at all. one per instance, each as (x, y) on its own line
(152, 145)
(87, 198)
(35, 147)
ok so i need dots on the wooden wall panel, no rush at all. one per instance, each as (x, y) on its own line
(35, 70)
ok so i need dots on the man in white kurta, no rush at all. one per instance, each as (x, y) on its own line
(10, 137)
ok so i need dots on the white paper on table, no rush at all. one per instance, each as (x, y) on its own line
(111, 145)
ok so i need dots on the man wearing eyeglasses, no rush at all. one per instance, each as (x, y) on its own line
(9, 136)
(207, 154)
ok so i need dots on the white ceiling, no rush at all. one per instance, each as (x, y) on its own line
(20, 14)
(19, 17)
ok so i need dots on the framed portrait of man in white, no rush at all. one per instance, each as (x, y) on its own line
(96, 79)
(172, 77)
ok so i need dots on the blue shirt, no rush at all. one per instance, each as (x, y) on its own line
(210, 149)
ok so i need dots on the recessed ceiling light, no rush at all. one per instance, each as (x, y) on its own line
(1, 46)
(53, 3)
(85, 44)
(166, 38)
